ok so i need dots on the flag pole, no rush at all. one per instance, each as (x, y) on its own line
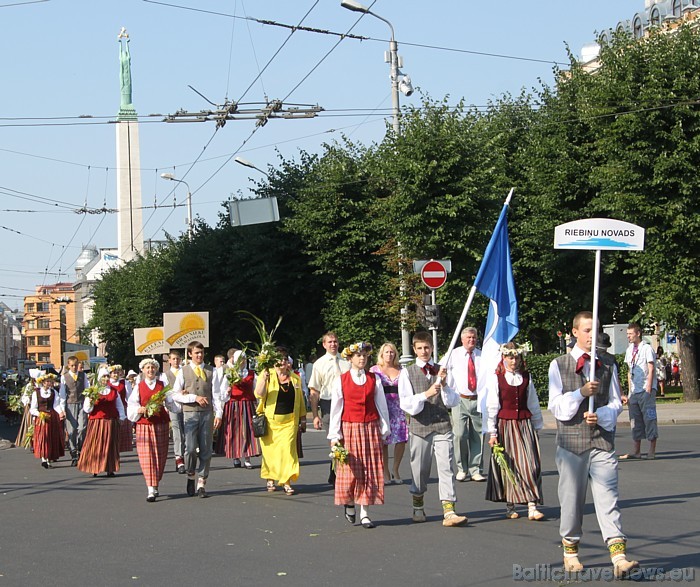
(468, 304)
(594, 334)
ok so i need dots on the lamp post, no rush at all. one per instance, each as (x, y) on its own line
(171, 177)
(247, 163)
(406, 88)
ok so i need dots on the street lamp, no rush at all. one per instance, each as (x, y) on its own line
(171, 177)
(405, 86)
(247, 163)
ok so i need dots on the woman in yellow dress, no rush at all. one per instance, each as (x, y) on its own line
(282, 402)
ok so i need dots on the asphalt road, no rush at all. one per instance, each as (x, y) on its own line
(63, 527)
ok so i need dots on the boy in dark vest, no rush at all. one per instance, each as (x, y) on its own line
(586, 446)
(198, 389)
(73, 383)
(423, 395)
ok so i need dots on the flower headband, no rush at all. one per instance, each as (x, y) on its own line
(46, 377)
(149, 361)
(518, 350)
(114, 368)
(358, 347)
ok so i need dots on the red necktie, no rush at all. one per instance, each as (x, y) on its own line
(429, 369)
(582, 359)
(471, 373)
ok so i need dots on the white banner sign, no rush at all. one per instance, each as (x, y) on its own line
(182, 328)
(150, 341)
(602, 234)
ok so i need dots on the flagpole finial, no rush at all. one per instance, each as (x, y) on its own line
(510, 195)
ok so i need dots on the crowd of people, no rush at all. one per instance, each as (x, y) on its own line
(439, 409)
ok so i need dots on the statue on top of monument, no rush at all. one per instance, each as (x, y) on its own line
(125, 70)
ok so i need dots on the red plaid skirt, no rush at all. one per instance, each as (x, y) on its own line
(152, 448)
(361, 479)
(101, 447)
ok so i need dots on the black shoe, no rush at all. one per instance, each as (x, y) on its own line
(111, 474)
(94, 474)
(151, 498)
(201, 492)
(44, 464)
(237, 463)
(367, 523)
(181, 469)
(190, 487)
(74, 462)
(348, 516)
(156, 492)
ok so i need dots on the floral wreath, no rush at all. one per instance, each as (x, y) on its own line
(45, 377)
(358, 347)
(520, 349)
(114, 368)
(148, 361)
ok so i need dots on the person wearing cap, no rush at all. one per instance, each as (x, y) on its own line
(101, 447)
(177, 422)
(236, 439)
(360, 422)
(48, 414)
(152, 430)
(73, 383)
(198, 390)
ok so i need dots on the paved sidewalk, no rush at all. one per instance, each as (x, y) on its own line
(667, 414)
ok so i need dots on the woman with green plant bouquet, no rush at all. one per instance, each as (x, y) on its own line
(514, 416)
(282, 402)
(47, 431)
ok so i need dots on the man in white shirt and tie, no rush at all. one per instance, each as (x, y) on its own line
(464, 364)
(177, 421)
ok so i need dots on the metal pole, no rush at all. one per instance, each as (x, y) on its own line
(189, 213)
(434, 328)
(594, 339)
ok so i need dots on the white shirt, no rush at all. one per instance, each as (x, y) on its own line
(565, 405)
(639, 370)
(493, 402)
(458, 369)
(412, 403)
(326, 373)
(133, 402)
(45, 393)
(219, 386)
(338, 403)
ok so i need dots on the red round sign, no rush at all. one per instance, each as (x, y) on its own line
(434, 274)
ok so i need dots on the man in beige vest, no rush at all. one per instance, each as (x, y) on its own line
(198, 389)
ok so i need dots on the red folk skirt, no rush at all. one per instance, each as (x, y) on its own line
(101, 447)
(361, 479)
(48, 438)
(236, 439)
(152, 448)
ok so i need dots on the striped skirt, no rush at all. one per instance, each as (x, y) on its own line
(48, 438)
(152, 448)
(101, 447)
(361, 479)
(126, 436)
(23, 427)
(522, 451)
(236, 439)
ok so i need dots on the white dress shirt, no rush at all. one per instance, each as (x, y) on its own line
(338, 403)
(219, 386)
(493, 402)
(325, 373)
(565, 405)
(412, 403)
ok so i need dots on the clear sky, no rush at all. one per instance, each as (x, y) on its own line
(60, 94)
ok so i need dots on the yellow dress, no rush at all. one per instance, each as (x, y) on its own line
(280, 460)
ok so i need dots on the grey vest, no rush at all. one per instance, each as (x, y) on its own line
(171, 376)
(575, 435)
(197, 386)
(74, 389)
(434, 416)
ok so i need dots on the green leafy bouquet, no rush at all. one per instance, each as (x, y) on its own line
(501, 458)
(233, 374)
(93, 393)
(267, 355)
(155, 403)
(339, 454)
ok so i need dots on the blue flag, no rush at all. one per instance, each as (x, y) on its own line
(495, 281)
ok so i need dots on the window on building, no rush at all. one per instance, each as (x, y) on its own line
(655, 17)
(677, 7)
(43, 323)
(43, 358)
(31, 340)
(43, 307)
(638, 29)
(29, 307)
(43, 341)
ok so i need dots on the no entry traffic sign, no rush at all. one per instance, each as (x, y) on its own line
(434, 274)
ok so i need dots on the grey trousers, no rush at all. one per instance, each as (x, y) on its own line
(199, 434)
(177, 423)
(575, 471)
(76, 422)
(422, 450)
(469, 442)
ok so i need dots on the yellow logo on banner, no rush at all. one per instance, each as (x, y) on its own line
(153, 340)
(191, 328)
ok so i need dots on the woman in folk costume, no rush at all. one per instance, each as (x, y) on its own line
(26, 399)
(236, 439)
(123, 388)
(360, 421)
(101, 447)
(48, 416)
(152, 431)
(514, 416)
(282, 402)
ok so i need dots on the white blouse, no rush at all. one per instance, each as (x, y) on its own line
(493, 403)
